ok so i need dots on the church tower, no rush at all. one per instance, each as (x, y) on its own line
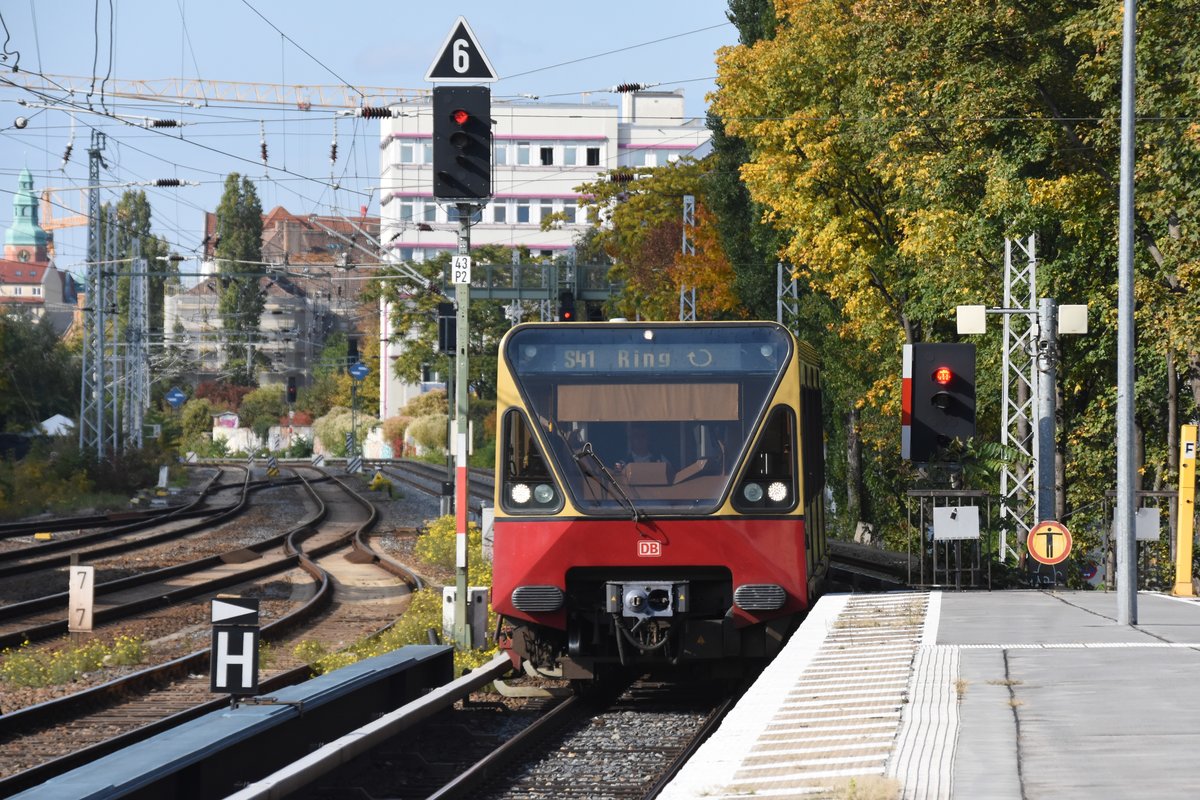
(25, 240)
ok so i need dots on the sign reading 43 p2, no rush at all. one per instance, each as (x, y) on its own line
(460, 269)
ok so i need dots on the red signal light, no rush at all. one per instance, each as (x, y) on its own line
(943, 375)
(460, 117)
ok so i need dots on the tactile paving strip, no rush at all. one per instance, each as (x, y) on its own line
(827, 710)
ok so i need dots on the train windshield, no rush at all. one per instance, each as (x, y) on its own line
(647, 418)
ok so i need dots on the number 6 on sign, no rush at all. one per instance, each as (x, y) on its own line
(460, 269)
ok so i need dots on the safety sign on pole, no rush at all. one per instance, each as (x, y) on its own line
(1049, 542)
(234, 657)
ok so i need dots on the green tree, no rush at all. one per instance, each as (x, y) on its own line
(750, 245)
(262, 408)
(39, 377)
(239, 252)
(196, 422)
(133, 224)
(415, 319)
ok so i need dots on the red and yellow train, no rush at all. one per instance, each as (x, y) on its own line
(701, 540)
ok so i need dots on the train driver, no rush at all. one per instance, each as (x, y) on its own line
(640, 451)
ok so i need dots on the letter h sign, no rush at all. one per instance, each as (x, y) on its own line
(234, 656)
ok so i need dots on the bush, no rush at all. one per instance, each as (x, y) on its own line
(430, 431)
(437, 546)
(301, 447)
(426, 404)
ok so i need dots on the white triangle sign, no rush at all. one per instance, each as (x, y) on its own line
(461, 59)
(223, 610)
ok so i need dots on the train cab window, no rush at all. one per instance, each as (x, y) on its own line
(691, 394)
(527, 485)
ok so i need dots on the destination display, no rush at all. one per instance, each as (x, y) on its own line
(649, 358)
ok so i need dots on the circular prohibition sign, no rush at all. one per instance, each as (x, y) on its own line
(1049, 542)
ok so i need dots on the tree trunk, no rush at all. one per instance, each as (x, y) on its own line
(854, 491)
(1172, 442)
(1060, 464)
(1194, 376)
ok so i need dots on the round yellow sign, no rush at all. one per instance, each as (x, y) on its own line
(1049, 542)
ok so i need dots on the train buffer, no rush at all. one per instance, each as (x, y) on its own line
(967, 695)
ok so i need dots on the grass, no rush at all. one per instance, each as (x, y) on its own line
(37, 668)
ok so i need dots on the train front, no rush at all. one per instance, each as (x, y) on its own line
(649, 493)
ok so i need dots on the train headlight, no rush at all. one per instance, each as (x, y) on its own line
(521, 493)
(543, 493)
(777, 492)
(753, 492)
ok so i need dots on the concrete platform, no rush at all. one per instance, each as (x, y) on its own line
(1022, 694)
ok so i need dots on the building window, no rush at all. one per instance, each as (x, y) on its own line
(406, 210)
(569, 210)
(37, 291)
(407, 153)
(522, 212)
(593, 156)
(546, 209)
(500, 213)
(17, 291)
(547, 154)
(523, 153)
(500, 154)
(430, 212)
(570, 156)
(452, 214)
(637, 158)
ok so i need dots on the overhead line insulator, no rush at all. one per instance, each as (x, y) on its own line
(374, 112)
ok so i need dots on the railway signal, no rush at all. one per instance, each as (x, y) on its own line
(566, 306)
(939, 398)
(462, 142)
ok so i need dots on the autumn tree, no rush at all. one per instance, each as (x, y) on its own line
(895, 146)
(642, 233)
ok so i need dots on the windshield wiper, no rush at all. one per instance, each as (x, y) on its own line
(587, 451)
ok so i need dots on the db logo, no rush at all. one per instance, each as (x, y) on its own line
(649, 548)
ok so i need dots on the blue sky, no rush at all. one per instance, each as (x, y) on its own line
(554, 51)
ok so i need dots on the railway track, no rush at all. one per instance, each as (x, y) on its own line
(626, 744)
(102, 529)
(351, 591)
(428, 478)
